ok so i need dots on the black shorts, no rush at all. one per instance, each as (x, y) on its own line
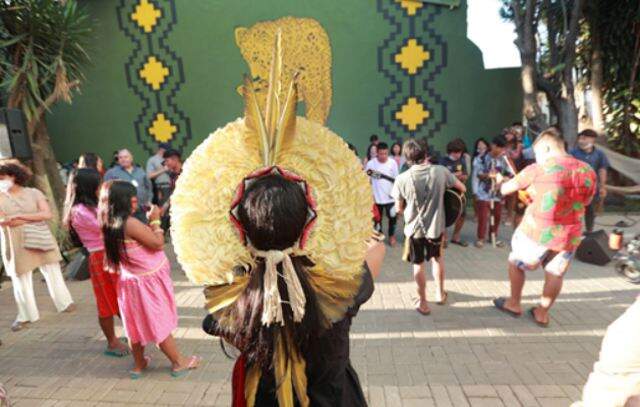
(419, 250)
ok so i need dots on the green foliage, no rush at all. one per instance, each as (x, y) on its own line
(617, 24)
(44, 51)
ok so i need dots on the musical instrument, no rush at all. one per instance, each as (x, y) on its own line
(454, 200)
(378, 175)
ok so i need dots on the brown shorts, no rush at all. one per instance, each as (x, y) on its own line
(419, 249)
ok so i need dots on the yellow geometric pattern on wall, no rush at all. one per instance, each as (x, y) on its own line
(154, 73)
(162, 129)
(412, 114)
(412, 56)
(146, 15)
(410, 6)
(306, 50)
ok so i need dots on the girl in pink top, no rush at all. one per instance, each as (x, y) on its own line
(145, 288)
(83, 221)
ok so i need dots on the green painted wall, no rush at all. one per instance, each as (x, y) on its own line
(476, 102)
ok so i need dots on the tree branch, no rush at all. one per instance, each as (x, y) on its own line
(48, 102)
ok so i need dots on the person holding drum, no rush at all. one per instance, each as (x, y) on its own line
(418, 195)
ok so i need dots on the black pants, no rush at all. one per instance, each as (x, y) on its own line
(385, 210)
(590, 215)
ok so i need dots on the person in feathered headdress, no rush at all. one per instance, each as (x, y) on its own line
(273, 214)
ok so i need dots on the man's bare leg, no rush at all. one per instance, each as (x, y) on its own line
(516, 278)
(421, 281)
(437, 269)
(550, 291)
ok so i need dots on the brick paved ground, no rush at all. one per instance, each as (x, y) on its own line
(464, 354)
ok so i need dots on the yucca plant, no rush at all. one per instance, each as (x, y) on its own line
(43, 43)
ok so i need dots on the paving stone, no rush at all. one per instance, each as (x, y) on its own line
(463, 354)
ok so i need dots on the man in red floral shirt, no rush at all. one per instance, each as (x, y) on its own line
(559, 187)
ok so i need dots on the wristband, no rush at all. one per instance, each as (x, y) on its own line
(155, 222)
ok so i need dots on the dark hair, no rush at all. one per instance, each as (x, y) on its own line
(383, 146)
(475, 146)
(273, 213)
(19, 172)
(393, 146)
(89, 160)
(516, 124)
(588, 133)
(414, 151)
(86, 181)
(172, 153)
(374, 137)
(114, 208)
(369, 156)
(353, 148)
(456, 146)
(499, 141)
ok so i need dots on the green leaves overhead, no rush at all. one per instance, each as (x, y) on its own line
(44, 44)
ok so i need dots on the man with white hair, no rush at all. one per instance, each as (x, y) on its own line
(126, 170)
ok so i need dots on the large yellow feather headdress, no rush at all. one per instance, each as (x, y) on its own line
(207, 242)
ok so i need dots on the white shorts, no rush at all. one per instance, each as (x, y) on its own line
(527, 254)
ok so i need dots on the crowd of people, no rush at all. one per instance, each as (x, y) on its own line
(119, 216)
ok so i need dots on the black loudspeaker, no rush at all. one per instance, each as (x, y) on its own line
(594, 248)
(78, 267)
(14, 140)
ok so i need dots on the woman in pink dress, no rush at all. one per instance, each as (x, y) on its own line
(145, 289)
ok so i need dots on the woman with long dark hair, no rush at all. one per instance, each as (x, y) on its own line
(145, 289)
(273, 214)
(84, 224)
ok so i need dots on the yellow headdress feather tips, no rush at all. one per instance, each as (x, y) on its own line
(277, 127)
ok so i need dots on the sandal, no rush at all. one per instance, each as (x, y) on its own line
(460, 243)
(136, 375)
(117, 352)
(421, 312)
(532, 313)
(499, 304)
(194, 361)
(443, 301)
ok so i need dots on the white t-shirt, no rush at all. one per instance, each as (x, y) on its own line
(382, 187)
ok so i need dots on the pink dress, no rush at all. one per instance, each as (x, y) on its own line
(145, 295)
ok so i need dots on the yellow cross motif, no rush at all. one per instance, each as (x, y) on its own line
(146, 15)
(154, 73)
(162, 129)
(412, 114)
(410, 6)
(412, 56)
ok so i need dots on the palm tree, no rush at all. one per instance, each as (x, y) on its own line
(44, 51)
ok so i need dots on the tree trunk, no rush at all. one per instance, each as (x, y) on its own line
(597, 115)
(568, 120)
(45, 171)
(526, 41)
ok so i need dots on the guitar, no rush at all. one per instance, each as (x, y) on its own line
(454, 200)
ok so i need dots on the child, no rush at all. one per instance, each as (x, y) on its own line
(145, 289)
(83, 221)
(487, 167)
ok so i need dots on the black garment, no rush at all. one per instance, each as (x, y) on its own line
(385, 210)
(419, 249)
(331, 380)
(590, 215)
(454, 165)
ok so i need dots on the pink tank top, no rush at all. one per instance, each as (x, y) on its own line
(141, 261)
(85, 222)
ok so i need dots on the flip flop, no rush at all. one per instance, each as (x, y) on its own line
(532, 313)
(194, 362)
(136, 375)
(499, 304)
(443, 301)
(460, 243)
(116, 353)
